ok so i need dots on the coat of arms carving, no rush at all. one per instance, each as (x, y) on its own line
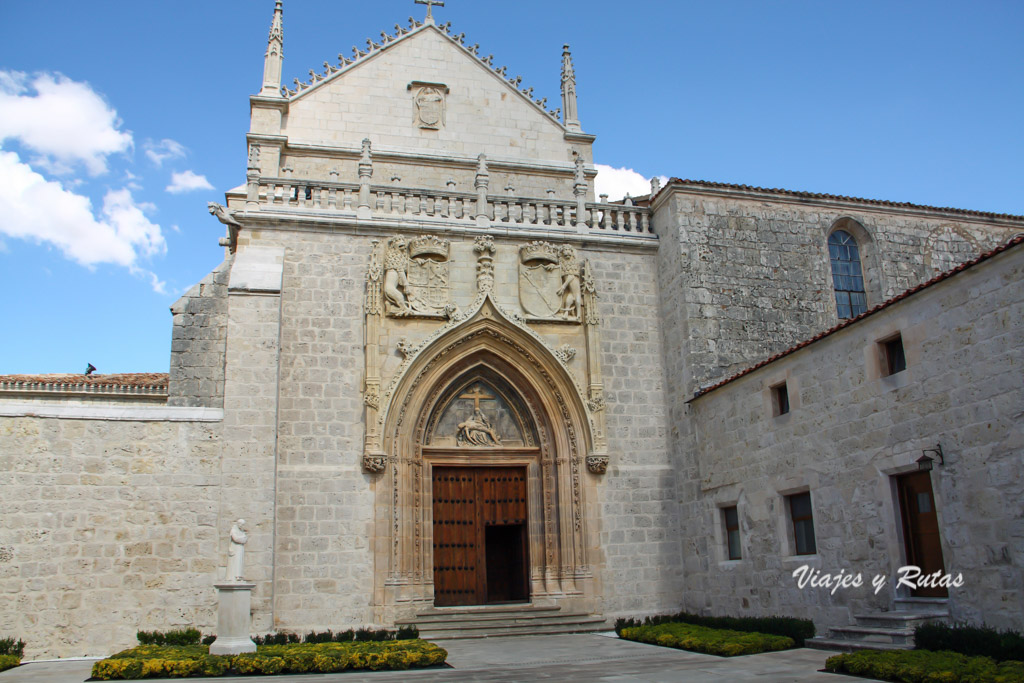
(429, 103)
(549, 281)
(417, 276)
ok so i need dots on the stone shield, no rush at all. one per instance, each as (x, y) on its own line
(538, 289)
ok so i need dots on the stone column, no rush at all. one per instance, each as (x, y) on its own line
(483, 181)
(579, 190)
(365, 174)
(252, 179)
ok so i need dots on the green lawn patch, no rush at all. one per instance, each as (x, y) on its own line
(712, 641)
(153, 661)
(924, 666)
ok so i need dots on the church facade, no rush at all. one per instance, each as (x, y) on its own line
(435, 371)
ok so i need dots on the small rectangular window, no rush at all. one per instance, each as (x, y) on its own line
(803, 523)
(895, 358)
(780, 399)
(732, 533)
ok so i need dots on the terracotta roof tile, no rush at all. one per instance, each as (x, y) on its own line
(900, 297)
(148, 380)
(816, 195)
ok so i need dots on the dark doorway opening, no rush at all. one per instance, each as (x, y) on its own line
(506, 571)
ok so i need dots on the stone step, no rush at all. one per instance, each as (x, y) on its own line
(483, 611)
(845, 645)
(899, 619)
(484, 619)
(568, 620)
(921, 605)
(868, 634)
(593, 625)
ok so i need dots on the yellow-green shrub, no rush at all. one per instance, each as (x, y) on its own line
(924, 666)
(710, 641)
(9, 662)
(152, 661)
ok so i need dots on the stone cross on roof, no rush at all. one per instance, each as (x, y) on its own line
(430, 7)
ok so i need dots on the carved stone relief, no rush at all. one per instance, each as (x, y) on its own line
(565, 353)
(375, 464)
(417, 277)
(429, 104)
(597, 464)
(549, 282)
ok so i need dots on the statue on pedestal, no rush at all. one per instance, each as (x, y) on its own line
(236, 551)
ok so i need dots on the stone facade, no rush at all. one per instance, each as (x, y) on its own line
(850, 430)
(414, 221)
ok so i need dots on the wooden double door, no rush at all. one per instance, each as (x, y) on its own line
(480, 535)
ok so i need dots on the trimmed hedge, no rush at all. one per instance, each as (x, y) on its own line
(797, 629)
(187, 636)
(974, 641)
(925, 666)
(9, 662)
(153, 661)
(722, 642)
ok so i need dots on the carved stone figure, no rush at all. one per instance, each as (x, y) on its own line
(225, 216)
(416, 277)
(477, 431)
(570, 289)
(236, 551)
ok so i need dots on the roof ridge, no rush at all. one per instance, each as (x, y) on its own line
(134, 380)
(1019, 239)
(387, 40)
(825, 195)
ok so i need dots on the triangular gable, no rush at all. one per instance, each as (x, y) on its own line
(376, 95)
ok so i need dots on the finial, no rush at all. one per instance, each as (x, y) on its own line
(430, 8)
(571, 120)
(274, 57)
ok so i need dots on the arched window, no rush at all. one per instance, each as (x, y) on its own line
(847, 277)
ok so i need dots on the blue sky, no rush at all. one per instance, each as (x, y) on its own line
(120, 119)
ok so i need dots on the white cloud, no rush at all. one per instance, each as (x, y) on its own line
(187, 181)
(43, 211)
(617, 182)
(159, 152)
(65, 122)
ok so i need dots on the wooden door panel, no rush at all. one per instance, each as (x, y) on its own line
(466, 502)
(921, 528)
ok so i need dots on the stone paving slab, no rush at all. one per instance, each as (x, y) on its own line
(569, 658)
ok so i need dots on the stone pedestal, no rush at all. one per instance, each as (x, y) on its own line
(233, 619)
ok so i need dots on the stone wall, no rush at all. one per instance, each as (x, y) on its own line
(198, 340)
(106, 527)
(753, 274)
(637, 506)
(850, 430)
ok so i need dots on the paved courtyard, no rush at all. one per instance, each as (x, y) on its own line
(586, 657)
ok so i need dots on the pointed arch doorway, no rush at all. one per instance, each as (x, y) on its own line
(484, 400)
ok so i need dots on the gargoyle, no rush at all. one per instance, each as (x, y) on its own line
(225, 216)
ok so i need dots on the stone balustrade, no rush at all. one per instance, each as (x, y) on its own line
(419, 204)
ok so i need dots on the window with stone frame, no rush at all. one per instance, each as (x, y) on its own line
(894, 358)
(732, 533)
(802, 517)
(847, 275)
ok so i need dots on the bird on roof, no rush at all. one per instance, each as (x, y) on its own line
(89, 369)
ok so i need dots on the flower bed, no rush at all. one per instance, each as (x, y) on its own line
(151, 661)
(924, 666)
(797, 629)
(712, 641)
